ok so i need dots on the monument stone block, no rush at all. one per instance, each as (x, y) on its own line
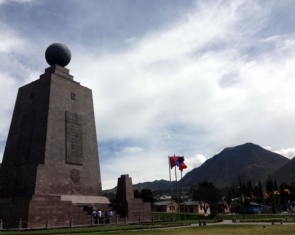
(126, 205)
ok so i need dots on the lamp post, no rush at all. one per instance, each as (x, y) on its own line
(242, 201)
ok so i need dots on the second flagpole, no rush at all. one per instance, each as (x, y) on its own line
(169, 164)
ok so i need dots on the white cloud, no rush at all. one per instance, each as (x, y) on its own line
(218, 75)
(131, 150)
(288, 152)
(167, 84)
(195, 161)
(9, 40)
(18, 1)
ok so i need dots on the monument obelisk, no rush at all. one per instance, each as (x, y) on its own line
(50, 166)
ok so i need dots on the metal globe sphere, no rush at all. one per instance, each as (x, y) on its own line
(58, 53)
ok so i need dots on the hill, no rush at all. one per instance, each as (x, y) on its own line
(249, 161)
(157, 185)
(284, 173)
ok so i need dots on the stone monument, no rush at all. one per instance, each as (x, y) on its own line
(127, 206)
(50, 166)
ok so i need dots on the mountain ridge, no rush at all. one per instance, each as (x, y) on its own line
(247, 161)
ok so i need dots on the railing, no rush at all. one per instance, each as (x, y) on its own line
(70, 223)
(163, 218)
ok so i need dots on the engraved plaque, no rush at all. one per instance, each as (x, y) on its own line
(74, 142)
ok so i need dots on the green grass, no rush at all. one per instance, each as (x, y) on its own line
(89, 230)
(161, 227)
(253, 216)
(213, 230)
(204, 230)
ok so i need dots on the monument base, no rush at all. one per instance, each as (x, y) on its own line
(134, 209)
(42, 211)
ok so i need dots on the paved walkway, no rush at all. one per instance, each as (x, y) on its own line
(229, 222)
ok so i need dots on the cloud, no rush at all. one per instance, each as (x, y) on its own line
(195, 161)
(288, 152)
(214, 74)
(130, 150)
(228, 80)
(171, 83)
(12, 1)
(12, 74)
(10, 42)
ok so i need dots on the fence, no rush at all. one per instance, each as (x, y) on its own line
(21, 224)
(163, 217)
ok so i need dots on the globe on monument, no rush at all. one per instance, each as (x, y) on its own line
(58, 53)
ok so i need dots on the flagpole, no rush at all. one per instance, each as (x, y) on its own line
(177, 193)
(182, 196)
(169, 164)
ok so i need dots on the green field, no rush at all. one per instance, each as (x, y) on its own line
(149, 230)
(164, 224)
(208, 230)
(213, 230)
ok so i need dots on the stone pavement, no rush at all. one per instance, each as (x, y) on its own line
(229, 222)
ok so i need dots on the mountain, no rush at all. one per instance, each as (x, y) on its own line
(249, 161)
(157, 185)
(154, 186)
(284, 173)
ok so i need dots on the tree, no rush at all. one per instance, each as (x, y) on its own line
(177, 198)
(274, 195)
(110, 195)
(207, 194)
(285, 192)
(147, 195)
(250, 188)
(136, 193)
(258, 191)
(271, 185)
(230, 194)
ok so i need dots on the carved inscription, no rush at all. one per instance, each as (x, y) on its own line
(75, 176)
(74, 140)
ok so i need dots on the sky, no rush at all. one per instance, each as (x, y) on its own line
(180, 77)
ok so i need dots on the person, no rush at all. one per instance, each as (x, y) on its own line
(106, 217)
(94, 214)
(110, 214)
(99, 216)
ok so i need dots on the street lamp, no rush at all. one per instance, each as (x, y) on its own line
(242, 201)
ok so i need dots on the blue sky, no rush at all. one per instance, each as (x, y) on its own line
(168, 77)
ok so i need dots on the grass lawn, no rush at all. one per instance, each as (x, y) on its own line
(226, 230)
(170, 227)
(148, 230)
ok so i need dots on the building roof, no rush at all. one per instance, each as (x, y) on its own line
(191, 203)
(255, 204)
(163, 203)
(165, 197)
